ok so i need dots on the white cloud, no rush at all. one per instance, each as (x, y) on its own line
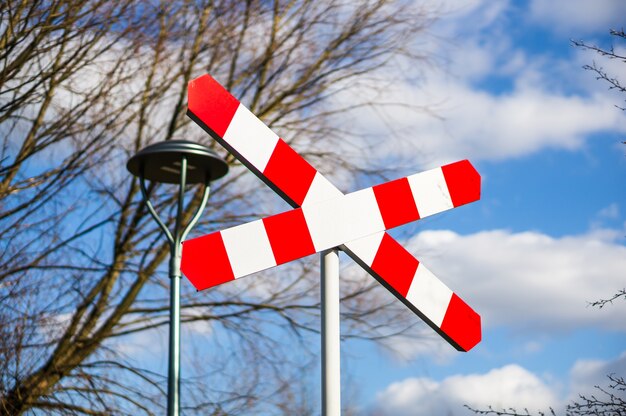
(541, 101)
(145, 346)
(532, 284)
(509, 386)
(498, 127)
(532, 347)
(586, 374)
(152, 344)
(419, 341)
(477, 124)
(456, 14)
(529, 280)
(608, 213)
(575, 17)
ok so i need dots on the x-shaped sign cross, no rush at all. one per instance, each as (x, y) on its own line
(327, 218)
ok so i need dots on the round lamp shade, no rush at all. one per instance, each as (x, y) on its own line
(161, 162)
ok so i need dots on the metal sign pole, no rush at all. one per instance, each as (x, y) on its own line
(331, 369)
(173, 374)
(173, 377)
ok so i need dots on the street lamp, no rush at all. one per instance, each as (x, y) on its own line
(177, 162)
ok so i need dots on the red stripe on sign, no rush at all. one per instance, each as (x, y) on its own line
(289, 236)
(463, 182)
(396, 203)
(289, 172)
(205, 261)
(395, 265)
(211, 103)
(461, 324)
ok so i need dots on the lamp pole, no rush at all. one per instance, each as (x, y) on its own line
(184, 163)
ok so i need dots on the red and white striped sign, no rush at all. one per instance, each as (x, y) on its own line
(258, 245)
(328, 218)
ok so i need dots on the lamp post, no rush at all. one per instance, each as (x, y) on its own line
(176, 162)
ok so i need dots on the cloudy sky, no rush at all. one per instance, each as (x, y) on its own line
(549, 234)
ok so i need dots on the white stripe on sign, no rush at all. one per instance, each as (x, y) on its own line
(251, 138)
(430, 192)
(321, 190)
(430, 294)
(366, 248)
(248, 248)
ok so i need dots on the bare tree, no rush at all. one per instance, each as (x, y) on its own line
(620, 294)
(86, 84)
(616, 85)
(601, 74)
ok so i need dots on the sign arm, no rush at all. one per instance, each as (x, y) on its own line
(243, 160)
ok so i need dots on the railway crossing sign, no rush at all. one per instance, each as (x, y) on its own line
(324, 218)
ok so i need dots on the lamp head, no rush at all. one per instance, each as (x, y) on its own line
(161, 162)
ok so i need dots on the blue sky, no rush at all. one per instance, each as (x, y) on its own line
(549, 234)
(507, 90)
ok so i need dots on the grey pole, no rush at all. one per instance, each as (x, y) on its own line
(181, 162)
(331, 369)
(173, 372)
